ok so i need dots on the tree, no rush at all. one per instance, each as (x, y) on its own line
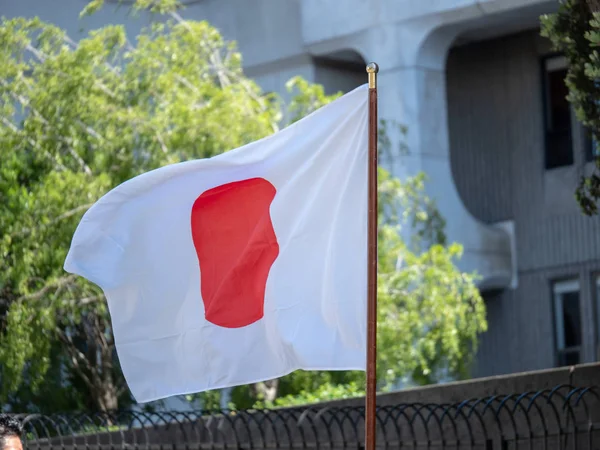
(76, 119)
(575, 31)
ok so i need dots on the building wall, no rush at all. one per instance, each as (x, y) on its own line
(496, 124)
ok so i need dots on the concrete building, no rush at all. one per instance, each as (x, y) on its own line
(482, 97)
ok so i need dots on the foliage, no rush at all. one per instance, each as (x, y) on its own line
(77, 119)
(154, 6)
(575, 31)
(307, 98)
(323, 392)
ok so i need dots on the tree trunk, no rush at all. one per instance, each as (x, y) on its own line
(108, 399)
(266, 391)
(594, 5)
(107, 396)
(91, 348)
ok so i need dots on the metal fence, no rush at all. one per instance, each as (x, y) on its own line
(561, 418)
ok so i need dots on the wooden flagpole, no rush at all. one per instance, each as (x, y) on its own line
(371, 401)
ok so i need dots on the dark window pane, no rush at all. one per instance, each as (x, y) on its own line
(571, 319)
(559, 150)
(568, 358)
(560, 113)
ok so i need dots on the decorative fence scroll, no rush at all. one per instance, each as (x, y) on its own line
(561, 418)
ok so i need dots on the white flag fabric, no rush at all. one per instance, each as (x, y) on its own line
(239, 268)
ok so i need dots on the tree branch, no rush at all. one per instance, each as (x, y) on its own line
(25, 102)
(76, 358)
(34, 144)
(39, 294)
(65, 215)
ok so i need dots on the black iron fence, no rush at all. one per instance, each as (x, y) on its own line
(565, 417)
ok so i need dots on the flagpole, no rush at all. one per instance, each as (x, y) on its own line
(371, 401)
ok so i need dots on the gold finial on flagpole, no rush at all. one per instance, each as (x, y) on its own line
(372, 70)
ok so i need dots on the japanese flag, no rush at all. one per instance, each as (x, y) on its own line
(239, 268)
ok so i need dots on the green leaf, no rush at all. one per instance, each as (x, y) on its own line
(91, 8)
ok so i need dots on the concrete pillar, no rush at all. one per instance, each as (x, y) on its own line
(415, 96)
(412, 88)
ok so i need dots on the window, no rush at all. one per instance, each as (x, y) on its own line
(567, 322)
(559, 149)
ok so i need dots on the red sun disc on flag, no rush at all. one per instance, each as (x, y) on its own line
(236, 246)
